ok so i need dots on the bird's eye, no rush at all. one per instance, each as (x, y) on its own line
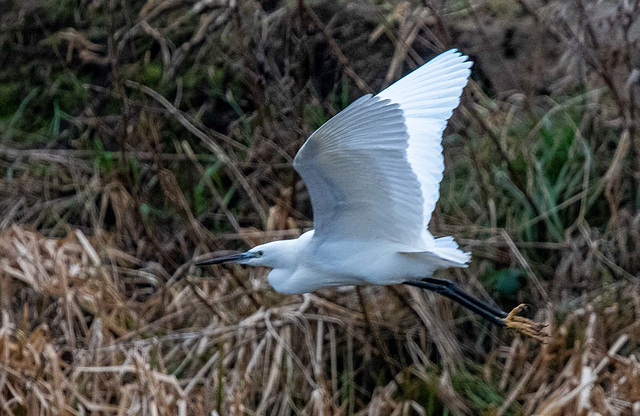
(260, 253)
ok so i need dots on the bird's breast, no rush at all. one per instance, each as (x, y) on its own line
(307, 278)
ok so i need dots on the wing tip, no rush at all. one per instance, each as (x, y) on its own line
(455, 52)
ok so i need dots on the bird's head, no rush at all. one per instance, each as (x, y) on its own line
(276, 254)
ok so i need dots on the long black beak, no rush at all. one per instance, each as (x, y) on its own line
(231, 258)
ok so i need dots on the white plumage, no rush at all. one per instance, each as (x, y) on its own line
(373, 173)
(374, 170)
(427, 97)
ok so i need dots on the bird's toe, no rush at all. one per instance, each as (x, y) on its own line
(526, 326)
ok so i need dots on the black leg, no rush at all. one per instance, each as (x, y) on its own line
(449, 289)
(493, 309)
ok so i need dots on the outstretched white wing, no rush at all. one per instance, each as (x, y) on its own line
(356, 170)
(427, 97)
(373, 170)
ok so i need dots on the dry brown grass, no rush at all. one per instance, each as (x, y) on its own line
(81, 347)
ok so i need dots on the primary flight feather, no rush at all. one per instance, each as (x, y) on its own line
(373, 173)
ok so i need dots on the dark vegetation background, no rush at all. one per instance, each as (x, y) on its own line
(135, 136)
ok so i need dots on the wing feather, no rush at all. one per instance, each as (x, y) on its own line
(373, 171)
(427, 97)
(358, 176)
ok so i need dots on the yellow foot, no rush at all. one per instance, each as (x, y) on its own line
(525, 326)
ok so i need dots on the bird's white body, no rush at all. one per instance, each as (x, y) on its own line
(301, 266)
(373, 173)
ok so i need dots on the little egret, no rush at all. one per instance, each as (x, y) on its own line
(373, 174)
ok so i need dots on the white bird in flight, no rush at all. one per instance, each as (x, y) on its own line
(373, 173)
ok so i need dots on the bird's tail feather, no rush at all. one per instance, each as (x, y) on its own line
(444, 252)
(447, 249)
